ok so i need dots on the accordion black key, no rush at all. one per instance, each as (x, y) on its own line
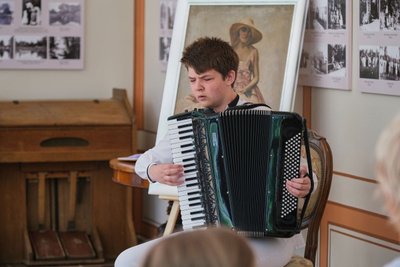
(236, 164)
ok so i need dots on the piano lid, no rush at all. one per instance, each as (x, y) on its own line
(114, 111)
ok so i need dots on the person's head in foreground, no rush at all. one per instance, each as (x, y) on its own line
(213, 247)
(388, 169)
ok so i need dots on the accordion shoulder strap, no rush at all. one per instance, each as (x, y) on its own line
(248, 105)
(310, 171)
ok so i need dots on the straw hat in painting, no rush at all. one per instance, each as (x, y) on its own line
(246, 22)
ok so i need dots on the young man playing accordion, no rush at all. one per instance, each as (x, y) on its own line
(212, 64)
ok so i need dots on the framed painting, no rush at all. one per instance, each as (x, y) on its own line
(277, 28)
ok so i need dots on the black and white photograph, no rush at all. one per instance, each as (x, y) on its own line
(327, 45)
(378, 41)
(163, 15)
(389, 63)
(369, 15)
(64, 47)
(305, 61)
(306, 67)
(42, 34)
(319, 59)
(337, 60)
(369, 62)
(171, 13)
(317, 18)
(314, 59)
(165, 43)
(30, 47)
(336, 14)
(64, 14)
(390, 15)
(31, 12)
(6, 47)
(167, 17)
(7, 10)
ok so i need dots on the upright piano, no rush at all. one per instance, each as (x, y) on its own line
(56, 191)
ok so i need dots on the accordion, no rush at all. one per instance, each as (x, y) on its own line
(236, 164)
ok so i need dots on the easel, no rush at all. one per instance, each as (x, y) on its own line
(173, 215)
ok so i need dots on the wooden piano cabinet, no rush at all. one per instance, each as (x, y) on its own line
(55, 176)
(12, 213)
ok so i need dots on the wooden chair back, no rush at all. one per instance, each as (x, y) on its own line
(322, 165)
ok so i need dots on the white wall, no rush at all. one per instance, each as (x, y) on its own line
(108, 60)
(352, 122)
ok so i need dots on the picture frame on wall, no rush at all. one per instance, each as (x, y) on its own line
(326, 57)
(378, 39)
(167, 16)
(41, 34)
(278, 28)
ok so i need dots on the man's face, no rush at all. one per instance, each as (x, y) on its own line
(210, 89)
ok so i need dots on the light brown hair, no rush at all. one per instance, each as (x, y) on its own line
(388, 168)
(213, 247)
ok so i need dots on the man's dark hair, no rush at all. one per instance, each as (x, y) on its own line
(208, 53)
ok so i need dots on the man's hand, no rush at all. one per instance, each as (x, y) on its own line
(299, 187)
(170, 174)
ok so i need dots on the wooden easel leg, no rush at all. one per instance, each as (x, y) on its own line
(173, 216)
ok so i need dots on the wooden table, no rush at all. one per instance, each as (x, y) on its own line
(124, 174)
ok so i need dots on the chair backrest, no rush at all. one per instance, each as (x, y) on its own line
(322, 165)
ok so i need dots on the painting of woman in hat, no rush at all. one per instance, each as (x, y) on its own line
(244, 35)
